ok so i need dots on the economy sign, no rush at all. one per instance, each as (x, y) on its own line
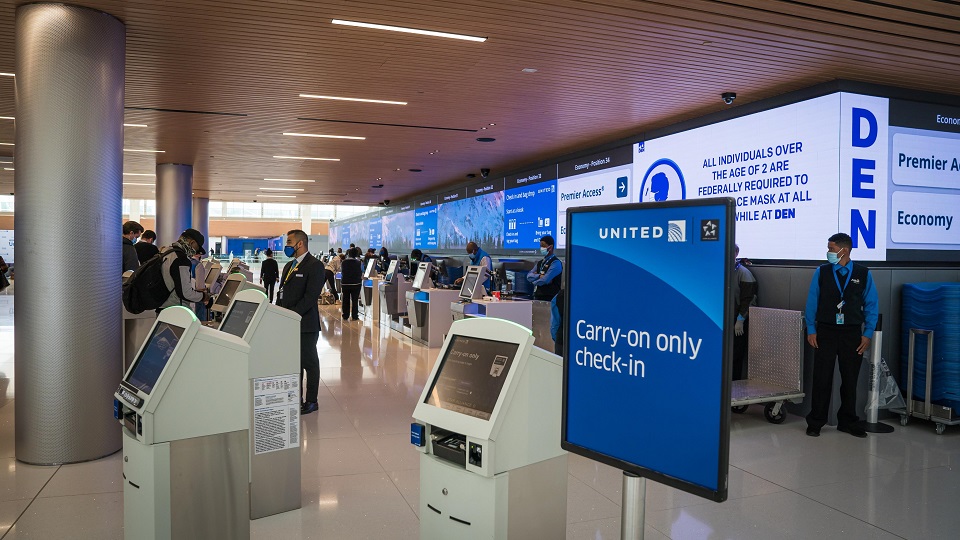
(647, 365)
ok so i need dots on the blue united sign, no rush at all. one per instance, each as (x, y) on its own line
(647, 366)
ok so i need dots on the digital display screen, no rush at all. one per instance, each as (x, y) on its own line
(226, 294)
(470, 282)
(360, 233)
(471, 375)
(212, 274)
(376, 233)
(398, 230)
(423, 270)
(371, 268)
(530, 209)
(594, 180)
(476, 218)
(153, 358)
(391, 271)
(239, 317)
(425, 228)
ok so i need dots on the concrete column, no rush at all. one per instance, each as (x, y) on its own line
(201, 218)
(305, 218)
(69, 156)
(174, 201)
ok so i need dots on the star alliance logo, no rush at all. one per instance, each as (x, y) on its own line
(709, 230)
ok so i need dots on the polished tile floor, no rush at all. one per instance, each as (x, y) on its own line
(361, 479)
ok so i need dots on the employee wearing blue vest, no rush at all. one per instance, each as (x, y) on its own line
(545, 276)
(841, 315)
(478, 257)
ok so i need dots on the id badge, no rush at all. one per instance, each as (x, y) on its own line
(280, 295)
(839, 318)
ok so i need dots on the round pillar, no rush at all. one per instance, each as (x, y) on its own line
(174, 201)
(69, 155)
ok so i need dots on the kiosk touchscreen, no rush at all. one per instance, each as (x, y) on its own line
(371, 269)
(213, 272)
(472, 287)
(233, 285)
(391, 272)
(185, 463)
(488, 427)
(273, 399)
(422, 280)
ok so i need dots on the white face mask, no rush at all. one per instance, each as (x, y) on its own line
(544, 251)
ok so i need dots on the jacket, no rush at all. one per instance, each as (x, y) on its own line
(300, 291)
(130, 260)
(176, 276)
(145, 250)
(269, 270)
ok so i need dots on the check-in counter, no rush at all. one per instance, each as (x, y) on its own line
(428, 311)
(518, 311)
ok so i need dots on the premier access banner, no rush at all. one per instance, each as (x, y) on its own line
(647, 367)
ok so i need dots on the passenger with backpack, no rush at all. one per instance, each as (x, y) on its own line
(164, 279)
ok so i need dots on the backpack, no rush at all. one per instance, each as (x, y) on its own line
(146, 288)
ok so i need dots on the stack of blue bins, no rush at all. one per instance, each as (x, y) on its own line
(932, 306)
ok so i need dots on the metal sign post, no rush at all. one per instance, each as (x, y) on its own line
(632, 506)
(873, 425)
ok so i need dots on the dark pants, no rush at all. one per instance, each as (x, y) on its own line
(351, 301)
(270, 286)
(740, 352)
(310, 364)
(835, 342)
(332, 282)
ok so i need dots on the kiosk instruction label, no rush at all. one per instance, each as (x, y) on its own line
(276, 413)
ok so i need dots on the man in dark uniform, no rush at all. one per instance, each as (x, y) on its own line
(545, 276)
(300, 285)
(146, 247)
(131, 231)
(841, 316)
(269, 273)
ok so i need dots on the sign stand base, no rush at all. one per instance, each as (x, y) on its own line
(632, 507)
(872, 424)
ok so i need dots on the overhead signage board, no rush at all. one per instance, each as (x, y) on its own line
(663, 343)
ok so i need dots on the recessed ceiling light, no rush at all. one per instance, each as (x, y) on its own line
(363, 100)
(287, 180)
(147, 151)
(263, 195)
(396, 169)
(136, 184)
(7, 75)
(308, 158)
(280, 189)
(325, 136)
(8, 168)
(7, 118)
(138, 174)
(529, 70)
(6, 144)
(485, 139)
(409, 30)
(136, 125)
(491, 124)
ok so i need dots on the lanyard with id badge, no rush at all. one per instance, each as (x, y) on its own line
(286, 279)
(842, 290)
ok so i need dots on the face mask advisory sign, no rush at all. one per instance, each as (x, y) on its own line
(647, 366)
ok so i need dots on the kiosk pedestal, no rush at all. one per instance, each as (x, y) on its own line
(488, 427)
(518, 311)
(185, 458)
(429, 318)
(393, 303)
(370, 299)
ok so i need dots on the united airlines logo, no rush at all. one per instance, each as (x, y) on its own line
(676, 231)
(663, 182)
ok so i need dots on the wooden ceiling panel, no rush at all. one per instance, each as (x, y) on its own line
(606, 69)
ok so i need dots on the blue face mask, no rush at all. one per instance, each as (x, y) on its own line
(289, 251)
(543, 250)
(832, 257)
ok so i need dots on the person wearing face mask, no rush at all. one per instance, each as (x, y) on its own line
(301, 283)
(131, 232)
(841, 315)
(545, 276)
(478, 257)
(176, 269)
(744, 296)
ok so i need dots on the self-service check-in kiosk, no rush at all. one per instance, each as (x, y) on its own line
(234, 284)
(136, 328)
(370, 292)
(427, 308)
(488, 427)
(393, 294)
(185, 437)
(273, 399)
(471, 304)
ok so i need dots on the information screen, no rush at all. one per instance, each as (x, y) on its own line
(471, 375)
(425, 228)
(598, 179)
(153, 358)
(672, 348)
(530, 209)
(376, 233)
(226, 294)
(239, 317)
(391, 271)
(470, 282)
(422, 270)
(212, 274)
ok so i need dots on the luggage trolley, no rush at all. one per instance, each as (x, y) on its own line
(774, 363)
(941, 415)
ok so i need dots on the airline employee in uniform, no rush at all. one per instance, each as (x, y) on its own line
(301, 283)
(478, 257)
(841, 315)
(545, 276)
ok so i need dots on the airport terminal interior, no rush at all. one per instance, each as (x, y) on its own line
(594, 299)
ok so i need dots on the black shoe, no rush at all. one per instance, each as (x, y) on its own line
(308, 407)
(356, 318)
(813, 432)
(854, 430)
(345, 317)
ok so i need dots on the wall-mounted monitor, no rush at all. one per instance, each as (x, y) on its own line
(471, 375)
(238, 318)
(153, 357)
(472, 287)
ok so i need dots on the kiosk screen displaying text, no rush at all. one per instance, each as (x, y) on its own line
(644, 366)
(471, 375)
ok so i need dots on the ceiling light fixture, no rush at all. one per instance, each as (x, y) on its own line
(287, 180)
(138, 174)
(263, 195)
(325, 136)
(409, 30)
(147, 151)
(8, 168)
(8, 74)
(529, 70)
(280, 189)
(136, 184)
(6, 144)
(7, 118)
(362, 100)
(308, 158)
(136, 125)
